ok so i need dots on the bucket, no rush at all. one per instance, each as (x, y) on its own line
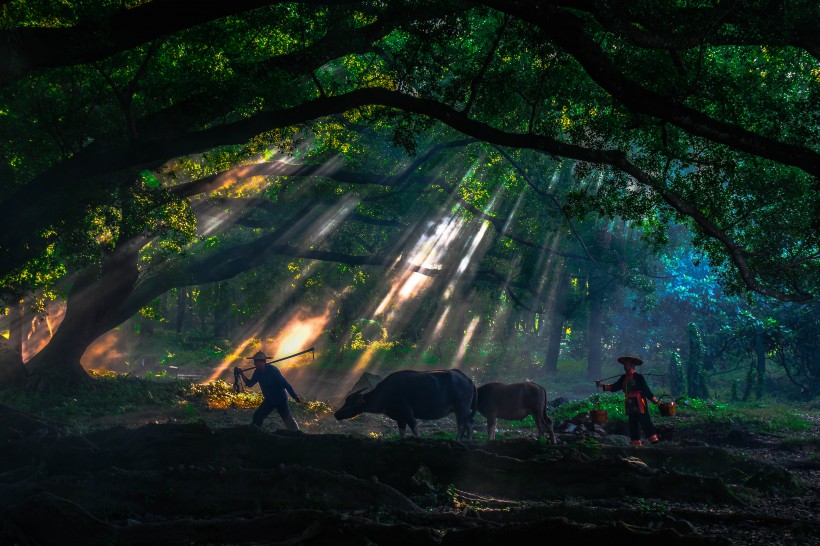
(667, 408)
(598, 416)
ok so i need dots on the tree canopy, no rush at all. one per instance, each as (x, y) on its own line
(131, 132)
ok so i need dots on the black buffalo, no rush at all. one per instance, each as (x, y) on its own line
(408, 395)
(514, 402)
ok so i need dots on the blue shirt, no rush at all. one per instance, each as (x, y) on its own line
(272, 383)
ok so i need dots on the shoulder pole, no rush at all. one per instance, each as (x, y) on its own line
(294, 354)
(311, 350)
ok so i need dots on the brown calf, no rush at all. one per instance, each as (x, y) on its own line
(514, 402)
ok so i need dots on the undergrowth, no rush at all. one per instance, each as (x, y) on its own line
(107, 394)
(118, 394)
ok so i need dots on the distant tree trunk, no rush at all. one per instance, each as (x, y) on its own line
(696, 379)
(164, 306)
(345, 319)
(595, 331)
(94, 298)
(596, 288)
(760, 355)
(182, 307)
(508, 338)
(559, 316)
(147, 326)
(677, 375)
(529, 322)
(222, 311)
(556, 335)
(750, 374)
(202, 305)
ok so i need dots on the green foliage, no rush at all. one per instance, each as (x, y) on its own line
(132, 127)
(108, 394)
(677, 375)
(695, 412)
(653, 507)
(612, 403)
(220, 395)
(764, 417)
(695, 374)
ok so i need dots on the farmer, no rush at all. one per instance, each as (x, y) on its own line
(637, 393)
(273, 386)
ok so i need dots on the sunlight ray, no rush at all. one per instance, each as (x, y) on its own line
(465, 341)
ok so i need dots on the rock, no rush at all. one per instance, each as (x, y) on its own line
(560, 401)
(694, 443)
(665, 432)
(680, 525)
(742, 438)
(615, 440)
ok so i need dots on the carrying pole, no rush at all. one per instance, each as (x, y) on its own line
(237, 384)
(311, 350)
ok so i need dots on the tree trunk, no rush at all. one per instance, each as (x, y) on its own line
(146, 325)
(561, 311)
(17, 324)
(556, 334)
(677, 375)
(182, 306)
(222, 311)
(12, 371)
(163, 306)
(96, 295)
(760, 355)
(695, 376)
(595, 334)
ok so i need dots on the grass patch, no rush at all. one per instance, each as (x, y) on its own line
(107, 394)
(220, 395)
(111, 394)
(611, 402)
(759, 416)
(694, 412)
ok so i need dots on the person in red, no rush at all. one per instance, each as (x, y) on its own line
(637, 393)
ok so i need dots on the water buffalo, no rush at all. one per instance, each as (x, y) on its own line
(514, 402)
(408, 395)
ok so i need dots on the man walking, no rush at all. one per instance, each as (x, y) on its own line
(273, 385)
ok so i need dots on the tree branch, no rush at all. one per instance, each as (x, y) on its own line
(21, 218)
(25, 49)
(569, 32)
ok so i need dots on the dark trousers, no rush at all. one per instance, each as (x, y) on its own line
(267, 406)
(638, 421)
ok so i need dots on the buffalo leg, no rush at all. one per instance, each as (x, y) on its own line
(414, 426)
(550, 430)
(402, 429)
(464, 427)
(540, 423)
(490, 429)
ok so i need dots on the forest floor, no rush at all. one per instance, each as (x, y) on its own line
(198, 475)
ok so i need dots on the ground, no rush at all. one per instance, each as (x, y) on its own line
(196, 475)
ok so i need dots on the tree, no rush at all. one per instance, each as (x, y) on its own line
(695, 375)
(634, 96)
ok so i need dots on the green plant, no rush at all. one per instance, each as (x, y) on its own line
(652, 506)
(677, 375)
(107, 394)
(696, 378)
